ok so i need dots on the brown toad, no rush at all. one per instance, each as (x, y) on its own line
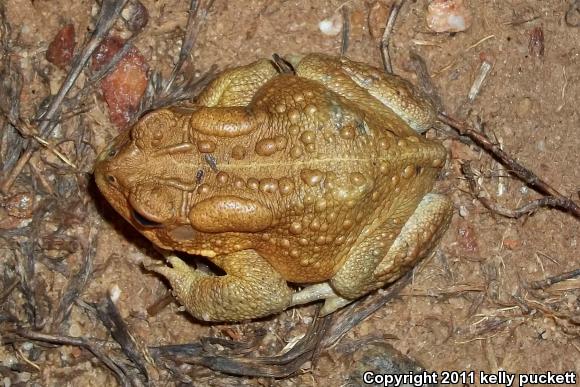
(318, 178)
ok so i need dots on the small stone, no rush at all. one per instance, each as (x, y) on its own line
(115, 293)
(124, 86)
(20, 205)
(61, 49)
(536, 44)
(136, 16)
(75, 330)
(307, 320)
(331, 26)
(27, 346)
(448, 16)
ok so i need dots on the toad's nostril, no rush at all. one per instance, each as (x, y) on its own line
(112, 152)
(111, 179)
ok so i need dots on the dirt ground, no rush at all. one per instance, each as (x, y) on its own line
(470, 307)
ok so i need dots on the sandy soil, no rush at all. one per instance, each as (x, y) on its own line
(470, 307)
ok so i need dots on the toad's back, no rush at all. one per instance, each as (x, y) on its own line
(313, 170)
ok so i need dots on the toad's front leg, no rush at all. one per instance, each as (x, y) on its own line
(250, 289)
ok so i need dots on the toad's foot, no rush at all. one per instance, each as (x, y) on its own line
(321, 291)
(250, 289)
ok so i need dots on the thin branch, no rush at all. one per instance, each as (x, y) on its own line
(345, 30)
(87, 344)
(138, 354)
(76, 284)
(555, 279)
(516, 168)
(385, 56)
(497, 208)
(194, 24)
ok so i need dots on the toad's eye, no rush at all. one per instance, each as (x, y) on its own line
(112, 153)
(143, 221)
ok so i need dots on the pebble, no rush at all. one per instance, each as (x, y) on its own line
(61, 49)
(124, 86)
(115, 293)
(448, 16)
(27, 346)
(136, 16)
(524, 190)
(331, 26)
(307, 320)
(75, 330)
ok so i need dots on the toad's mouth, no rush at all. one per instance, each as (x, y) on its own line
(143, 221)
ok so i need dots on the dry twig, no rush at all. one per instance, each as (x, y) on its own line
(345, 30)
(555, 279)
(95, 347)
(138, 354)
(385, 56)
(526, 209)
(194, 23)
(75, 285)
(556, 199)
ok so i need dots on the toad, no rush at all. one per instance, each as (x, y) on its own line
(319, 178)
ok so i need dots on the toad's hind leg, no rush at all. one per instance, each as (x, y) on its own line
(237, 86)
(370, 88)
(250, 289)
(376, 261)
